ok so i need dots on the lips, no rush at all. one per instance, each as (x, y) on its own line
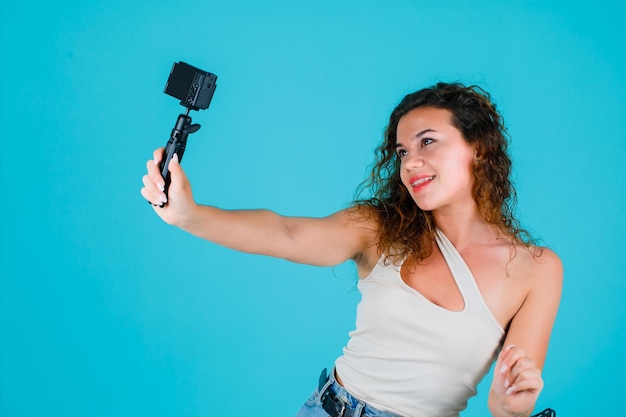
(418, 182)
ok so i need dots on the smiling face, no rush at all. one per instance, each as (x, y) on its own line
(435, 159)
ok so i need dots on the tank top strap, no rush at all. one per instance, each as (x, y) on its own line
(464, 279)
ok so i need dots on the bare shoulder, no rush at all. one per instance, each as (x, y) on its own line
(364, 222)
(541, 273)
(540, 265)
(361, 217)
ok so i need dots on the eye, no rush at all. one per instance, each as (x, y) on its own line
(401, 153)
(426, 141)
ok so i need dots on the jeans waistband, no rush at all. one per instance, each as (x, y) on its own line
(338, 402)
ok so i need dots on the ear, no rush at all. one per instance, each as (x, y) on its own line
(478, 153)
(479, 160)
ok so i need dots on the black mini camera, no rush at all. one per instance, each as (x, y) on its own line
(194, 88)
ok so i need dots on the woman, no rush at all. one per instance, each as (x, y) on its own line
(449, 280)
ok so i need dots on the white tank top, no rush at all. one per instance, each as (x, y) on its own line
(414, 358)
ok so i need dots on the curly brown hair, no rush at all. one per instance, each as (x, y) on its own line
(404, 229)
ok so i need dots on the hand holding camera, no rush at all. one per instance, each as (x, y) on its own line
(178, 208)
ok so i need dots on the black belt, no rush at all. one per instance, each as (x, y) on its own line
(333, 405)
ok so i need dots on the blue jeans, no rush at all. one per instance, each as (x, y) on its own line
(313, 406)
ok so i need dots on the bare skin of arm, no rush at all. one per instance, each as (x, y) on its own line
(517, 379)
(326, 241)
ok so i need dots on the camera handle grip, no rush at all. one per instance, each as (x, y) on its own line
(176, 145)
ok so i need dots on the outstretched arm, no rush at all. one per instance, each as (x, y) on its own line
(316, 241)
(517, 379)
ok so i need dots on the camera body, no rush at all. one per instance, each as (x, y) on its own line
(192, 86)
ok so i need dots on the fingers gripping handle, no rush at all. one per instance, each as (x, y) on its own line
(176, 145)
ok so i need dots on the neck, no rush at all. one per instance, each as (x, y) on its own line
(463, 225)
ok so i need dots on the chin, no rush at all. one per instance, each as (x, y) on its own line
(425, 205)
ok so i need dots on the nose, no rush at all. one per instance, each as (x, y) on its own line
(412, 161)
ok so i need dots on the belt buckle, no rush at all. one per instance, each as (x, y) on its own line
(329, 398)
(343, 408)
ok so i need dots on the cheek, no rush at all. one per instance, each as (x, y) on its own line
(464, 177)
(404, 177)
(405, 189)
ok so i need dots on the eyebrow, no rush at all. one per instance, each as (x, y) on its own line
(417, 136)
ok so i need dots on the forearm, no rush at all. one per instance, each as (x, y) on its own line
(253, 231)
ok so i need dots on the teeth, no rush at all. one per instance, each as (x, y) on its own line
(422, 180)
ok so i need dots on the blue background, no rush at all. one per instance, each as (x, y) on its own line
(105, 310)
